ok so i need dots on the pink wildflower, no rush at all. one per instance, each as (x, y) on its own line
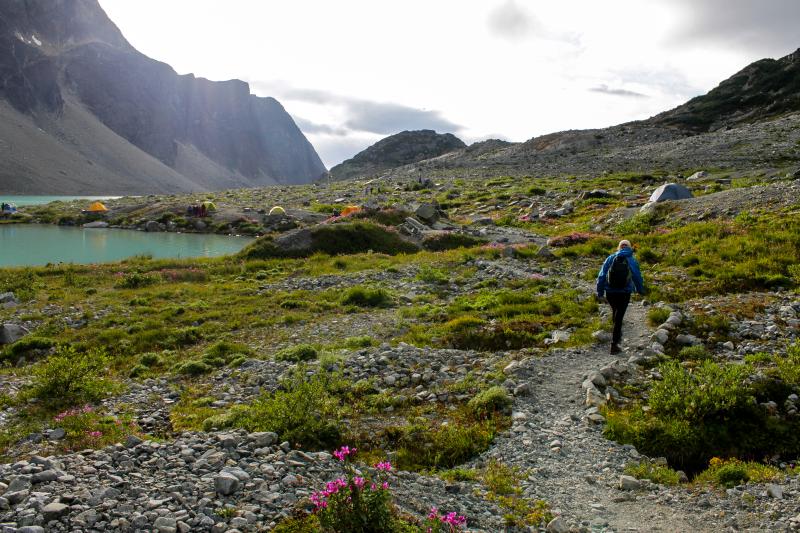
(359, 482)
(343, 452)
(385, 466)
(95, 434)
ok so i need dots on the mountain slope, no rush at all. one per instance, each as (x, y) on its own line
(763, 89)
(65, 65)
(399, 149)
(729, 127)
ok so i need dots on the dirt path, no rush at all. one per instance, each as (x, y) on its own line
(572, 466)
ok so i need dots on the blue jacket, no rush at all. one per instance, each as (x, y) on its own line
(635, 284)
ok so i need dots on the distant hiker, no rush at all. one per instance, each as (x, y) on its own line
(619, 277)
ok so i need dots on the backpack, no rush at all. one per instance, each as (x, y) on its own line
(619, 273)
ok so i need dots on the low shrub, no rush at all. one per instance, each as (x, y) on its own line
(71, 377)
(366, 297)
(193, 368)
(657, 315)
(335, 239)
(136, 280)
(711, 410)
(301, 352)
(569, 239)
(427, 445)
(492, 400)
(694, 353)
(731, 472)
(439, 242)
(661, 474)
(306, 411)
(87, 428)
(26, 347)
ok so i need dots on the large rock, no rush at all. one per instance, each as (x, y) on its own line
(428, 213)
(11, 333)
(54, 511)
(670, 191)
(226, 483)
(153, 226)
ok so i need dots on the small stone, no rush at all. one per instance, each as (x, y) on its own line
(54, 511)
(166, 525)
(775, 492)
(57, 434)
(629, 483)
(557, 525)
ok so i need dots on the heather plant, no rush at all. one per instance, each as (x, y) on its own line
(87, 428)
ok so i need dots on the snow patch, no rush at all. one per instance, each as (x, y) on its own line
(35, 40)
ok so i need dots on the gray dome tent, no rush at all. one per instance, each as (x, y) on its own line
(670, 191)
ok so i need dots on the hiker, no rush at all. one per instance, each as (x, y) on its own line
(618, 278)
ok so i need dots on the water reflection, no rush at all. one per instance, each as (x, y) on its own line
(24, 244)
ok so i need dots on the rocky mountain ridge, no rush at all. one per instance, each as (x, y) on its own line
(726, 128)
(406, 147)
(84, 112)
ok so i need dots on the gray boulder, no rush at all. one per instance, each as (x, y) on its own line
(8, 297)
(697, 176)
(11, 333)
(152, 225)
(97, 224)
(428, 213)
(226, 483)
(670, 191)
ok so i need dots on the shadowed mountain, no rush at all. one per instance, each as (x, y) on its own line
(82, 111)
(396, 150)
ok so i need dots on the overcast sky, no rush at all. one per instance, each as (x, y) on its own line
(351, 72)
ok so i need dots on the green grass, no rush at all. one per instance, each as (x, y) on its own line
(663, 475)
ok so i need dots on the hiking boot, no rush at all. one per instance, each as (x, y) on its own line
(615, 349)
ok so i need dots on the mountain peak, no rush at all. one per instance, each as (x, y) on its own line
(396, 150)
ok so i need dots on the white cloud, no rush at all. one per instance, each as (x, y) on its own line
(359, 69)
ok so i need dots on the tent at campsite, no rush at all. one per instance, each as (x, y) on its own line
(209, 205)
(277, 210)
(350, 209)
(97, 207)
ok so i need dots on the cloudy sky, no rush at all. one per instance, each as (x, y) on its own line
(351, 72)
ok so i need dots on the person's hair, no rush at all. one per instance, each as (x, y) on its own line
(624, 243)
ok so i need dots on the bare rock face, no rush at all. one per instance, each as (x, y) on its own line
(397, 150)
(66, 68)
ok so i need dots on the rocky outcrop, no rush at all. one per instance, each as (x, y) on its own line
(66, 69)
(397, 150)
(766, 88)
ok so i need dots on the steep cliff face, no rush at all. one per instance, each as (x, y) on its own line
(59, 55)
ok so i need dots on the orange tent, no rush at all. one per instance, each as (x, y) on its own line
(97, 207)
(350, 209)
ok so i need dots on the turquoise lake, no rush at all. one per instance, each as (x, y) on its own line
(40, 244)
(19, 201)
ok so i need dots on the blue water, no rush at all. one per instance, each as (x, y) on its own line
(19, 201)
(40, 244)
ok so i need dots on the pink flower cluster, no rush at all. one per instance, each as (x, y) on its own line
(453, 520)
(384, 466)
(95, 434)
(73, 412)
(319, 499)
(343, 452)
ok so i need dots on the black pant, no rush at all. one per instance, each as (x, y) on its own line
(619, 304)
